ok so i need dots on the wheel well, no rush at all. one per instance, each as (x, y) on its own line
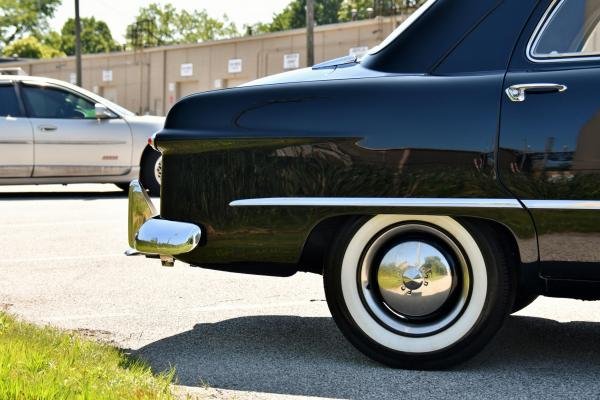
(527, 276)
(321, 238)
(147, 150)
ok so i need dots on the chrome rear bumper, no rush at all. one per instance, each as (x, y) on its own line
(149, 234)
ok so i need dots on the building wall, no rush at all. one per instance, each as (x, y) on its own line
(152, 80)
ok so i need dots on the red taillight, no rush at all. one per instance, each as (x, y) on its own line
(152, 141)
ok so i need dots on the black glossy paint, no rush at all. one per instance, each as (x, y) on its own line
(324, 139)
(419, 118)
(550, 150)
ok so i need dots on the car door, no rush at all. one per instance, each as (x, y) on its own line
(549, 153)
(16, 136)
(68, 138)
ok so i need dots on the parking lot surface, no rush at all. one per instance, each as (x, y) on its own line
(244, 336)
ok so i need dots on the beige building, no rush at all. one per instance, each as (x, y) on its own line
(151, 80)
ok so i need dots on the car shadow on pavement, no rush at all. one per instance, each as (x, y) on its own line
(308, 356)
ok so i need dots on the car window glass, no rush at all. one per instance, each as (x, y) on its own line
(573, 29)
(9, 105)
(49, 102)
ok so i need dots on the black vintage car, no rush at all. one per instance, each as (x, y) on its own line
(438, 184)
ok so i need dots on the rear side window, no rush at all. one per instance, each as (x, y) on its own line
(9, 105)
(572, 29)
(50, 102)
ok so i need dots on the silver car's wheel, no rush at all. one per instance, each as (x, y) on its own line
(158, 169)
(418, 291)
(151, 171)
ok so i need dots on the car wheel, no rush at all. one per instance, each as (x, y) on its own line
(151, 172)
(418, 292)
(522, 300)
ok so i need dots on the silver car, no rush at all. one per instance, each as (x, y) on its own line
(54, 132)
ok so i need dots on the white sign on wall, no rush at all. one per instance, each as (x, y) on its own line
(186, 69)
(358, 51)
(234, 66)
(218, 84)
(171, 86)
(72, 78)
(291, 61)
(107, 75)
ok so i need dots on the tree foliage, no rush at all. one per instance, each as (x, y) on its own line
(157, 25)
(364, 9)
(331, 12)
(31, 47)
(95, 37)
(294, 15)
(20, 18)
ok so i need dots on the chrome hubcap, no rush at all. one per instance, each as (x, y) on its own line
(158, 169)
(414, 279)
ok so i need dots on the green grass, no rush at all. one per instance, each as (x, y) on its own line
(46, 363)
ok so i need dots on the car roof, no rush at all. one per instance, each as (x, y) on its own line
(42, 79)
(10, 77)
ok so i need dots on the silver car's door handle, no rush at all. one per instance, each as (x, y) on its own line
(517, 92)
(47, 128)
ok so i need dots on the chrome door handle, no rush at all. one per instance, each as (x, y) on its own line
(47, 128)
(516, 93)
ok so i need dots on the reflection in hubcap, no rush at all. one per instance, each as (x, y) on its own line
(414, 279)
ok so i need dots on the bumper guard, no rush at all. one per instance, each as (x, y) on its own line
(155, 237)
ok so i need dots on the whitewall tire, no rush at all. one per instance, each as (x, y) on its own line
(418, 291)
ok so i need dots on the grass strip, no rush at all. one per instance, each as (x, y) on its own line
(46, 363)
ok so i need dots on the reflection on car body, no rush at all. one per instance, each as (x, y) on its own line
(469, 136)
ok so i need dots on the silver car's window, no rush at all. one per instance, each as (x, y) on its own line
(9, 105)
(572, 29)
(50, 102)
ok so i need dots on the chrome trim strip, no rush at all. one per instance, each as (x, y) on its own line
(79, 170)
(376, 202)
(562, 57)
(15, 171)
(16, 141)
(562, 204)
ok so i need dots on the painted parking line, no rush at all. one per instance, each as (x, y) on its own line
(60, 258)
(74, 222)
(189, 311)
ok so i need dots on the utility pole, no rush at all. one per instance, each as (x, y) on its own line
(77, 44)
(310, 33)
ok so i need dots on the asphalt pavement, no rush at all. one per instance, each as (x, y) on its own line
(243, 336)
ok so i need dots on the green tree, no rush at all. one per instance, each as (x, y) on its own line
(20, 18)
(364, 9)
(294, 15)
(52, 39)
(157, 25)
(31, 47)
(95, 37)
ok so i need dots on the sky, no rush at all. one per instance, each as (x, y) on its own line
(120, 13)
